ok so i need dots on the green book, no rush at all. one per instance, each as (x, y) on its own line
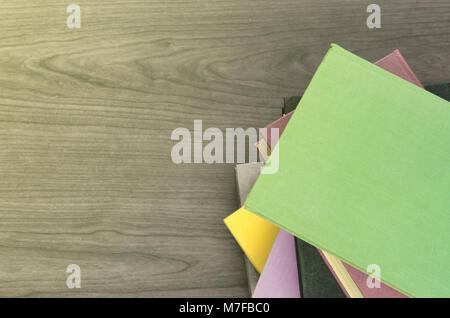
(364, 174)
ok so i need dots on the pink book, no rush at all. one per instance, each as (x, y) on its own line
(279, 278)
(396, 64)
(280, 123)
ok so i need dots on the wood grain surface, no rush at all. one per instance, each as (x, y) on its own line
(86, 117)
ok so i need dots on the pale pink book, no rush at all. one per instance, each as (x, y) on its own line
(396, 64)
(279, 278)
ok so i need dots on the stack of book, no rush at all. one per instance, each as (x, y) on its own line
(354, 197)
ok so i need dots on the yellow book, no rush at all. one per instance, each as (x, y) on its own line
(254, 235)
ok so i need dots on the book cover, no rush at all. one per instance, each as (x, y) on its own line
(279, 278)
(360, 162)
(316, 280)
(352, 281)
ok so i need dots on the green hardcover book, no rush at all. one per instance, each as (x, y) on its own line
(364, 174)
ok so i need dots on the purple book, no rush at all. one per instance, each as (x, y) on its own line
(279, 278)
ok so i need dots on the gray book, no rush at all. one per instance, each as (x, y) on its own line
(246, 175)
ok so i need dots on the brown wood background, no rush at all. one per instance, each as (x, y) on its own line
(86, 117)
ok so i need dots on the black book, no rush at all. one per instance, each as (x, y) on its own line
(441, 90)
(316, 280)
(290, 103)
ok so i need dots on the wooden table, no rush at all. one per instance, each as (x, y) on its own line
(86, 117)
